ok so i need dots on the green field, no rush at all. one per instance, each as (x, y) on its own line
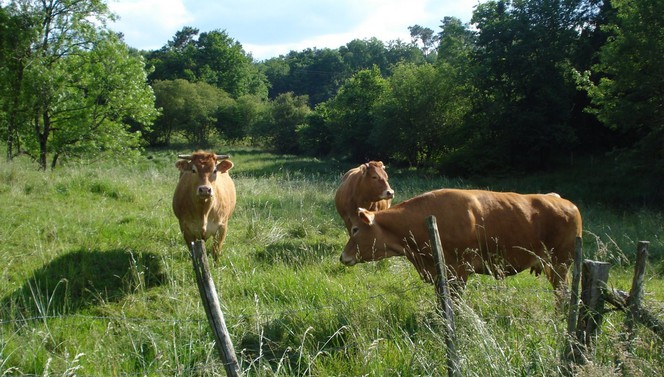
(96, 281)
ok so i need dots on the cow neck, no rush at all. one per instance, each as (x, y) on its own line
(360, 202)
(389, 220)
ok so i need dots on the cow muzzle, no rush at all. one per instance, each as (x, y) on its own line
(347, 261)
(204, 191)
(388, 194)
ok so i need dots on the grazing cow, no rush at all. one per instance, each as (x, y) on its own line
(204, 198)
(365, 186)
(482, 232)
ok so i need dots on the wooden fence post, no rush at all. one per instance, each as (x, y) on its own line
(572, 353)
(444, 299)
(593, 283)
(213, 309)
(636, 292)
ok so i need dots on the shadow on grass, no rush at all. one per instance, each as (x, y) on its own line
(81, 279)
(290, 342)
(296, 253)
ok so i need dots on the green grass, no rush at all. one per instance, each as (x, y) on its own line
(96, 280)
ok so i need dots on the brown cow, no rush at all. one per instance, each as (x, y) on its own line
(365, 186)
(481, 232)
(204, 198)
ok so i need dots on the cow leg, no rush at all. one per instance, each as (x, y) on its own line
(188, 240)
(557, 276)
(218, 242)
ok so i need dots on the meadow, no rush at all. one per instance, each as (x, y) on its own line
(96, 280)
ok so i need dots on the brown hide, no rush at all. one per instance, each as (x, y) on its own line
(204, 198)
(481, 232)
(365, 186)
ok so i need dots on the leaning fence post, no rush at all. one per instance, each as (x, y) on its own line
(594, 278)
(444, 299)
(636, 292)
(213, 309)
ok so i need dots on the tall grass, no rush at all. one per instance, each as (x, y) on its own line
(96, 280)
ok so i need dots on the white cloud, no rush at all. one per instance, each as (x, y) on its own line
(149, 24)
(268, 29)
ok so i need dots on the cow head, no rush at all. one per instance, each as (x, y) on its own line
(374, 181)
(369, 241)
(205, 167)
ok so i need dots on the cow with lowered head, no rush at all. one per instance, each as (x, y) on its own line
(481, 232)
(365, 186)
(204, 198)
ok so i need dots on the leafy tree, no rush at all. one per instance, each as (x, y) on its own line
(106, 92)
(15, 38)
(424, 36)
(420, 115)
(190, 108)
(278, 126)
(352, 114)
(177, 59)
(316, 73)
(75, 80)
(214, 57)
(524, 50)
(627, 96)
(236, 121)
(314, 136)
(360, 54)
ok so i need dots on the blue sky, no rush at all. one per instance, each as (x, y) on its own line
(271, 28)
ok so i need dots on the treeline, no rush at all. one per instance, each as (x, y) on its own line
(527, 85)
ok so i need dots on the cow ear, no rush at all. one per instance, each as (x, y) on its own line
(224, 165)
(183, 165)
(366, 216)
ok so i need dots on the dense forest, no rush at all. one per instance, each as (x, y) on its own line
(526, 86)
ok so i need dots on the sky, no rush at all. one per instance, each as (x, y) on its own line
(269, 28)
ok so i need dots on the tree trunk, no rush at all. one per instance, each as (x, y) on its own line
(42, 135)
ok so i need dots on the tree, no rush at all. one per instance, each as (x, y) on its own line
(104, 94)
(278, 126)
(236, 120)
(190, 108)
(425, 36)
(15, 38)
(352, 114)
(420, 115)
(524, 54)
(69, 108)
(214, 58)
(626, 86)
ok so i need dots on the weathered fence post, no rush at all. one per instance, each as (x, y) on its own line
(593, 283)
(636, 292)
(572, 353)
(213, 309)
(444, 299)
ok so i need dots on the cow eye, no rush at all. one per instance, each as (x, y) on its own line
(354, 230)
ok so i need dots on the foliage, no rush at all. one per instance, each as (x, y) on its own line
(625, 87)
(190, 108)
(75, 86)
(527, 94)
(277, 128)
(319, 73)
(419, 115)
(214, 58)
(353, 117)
